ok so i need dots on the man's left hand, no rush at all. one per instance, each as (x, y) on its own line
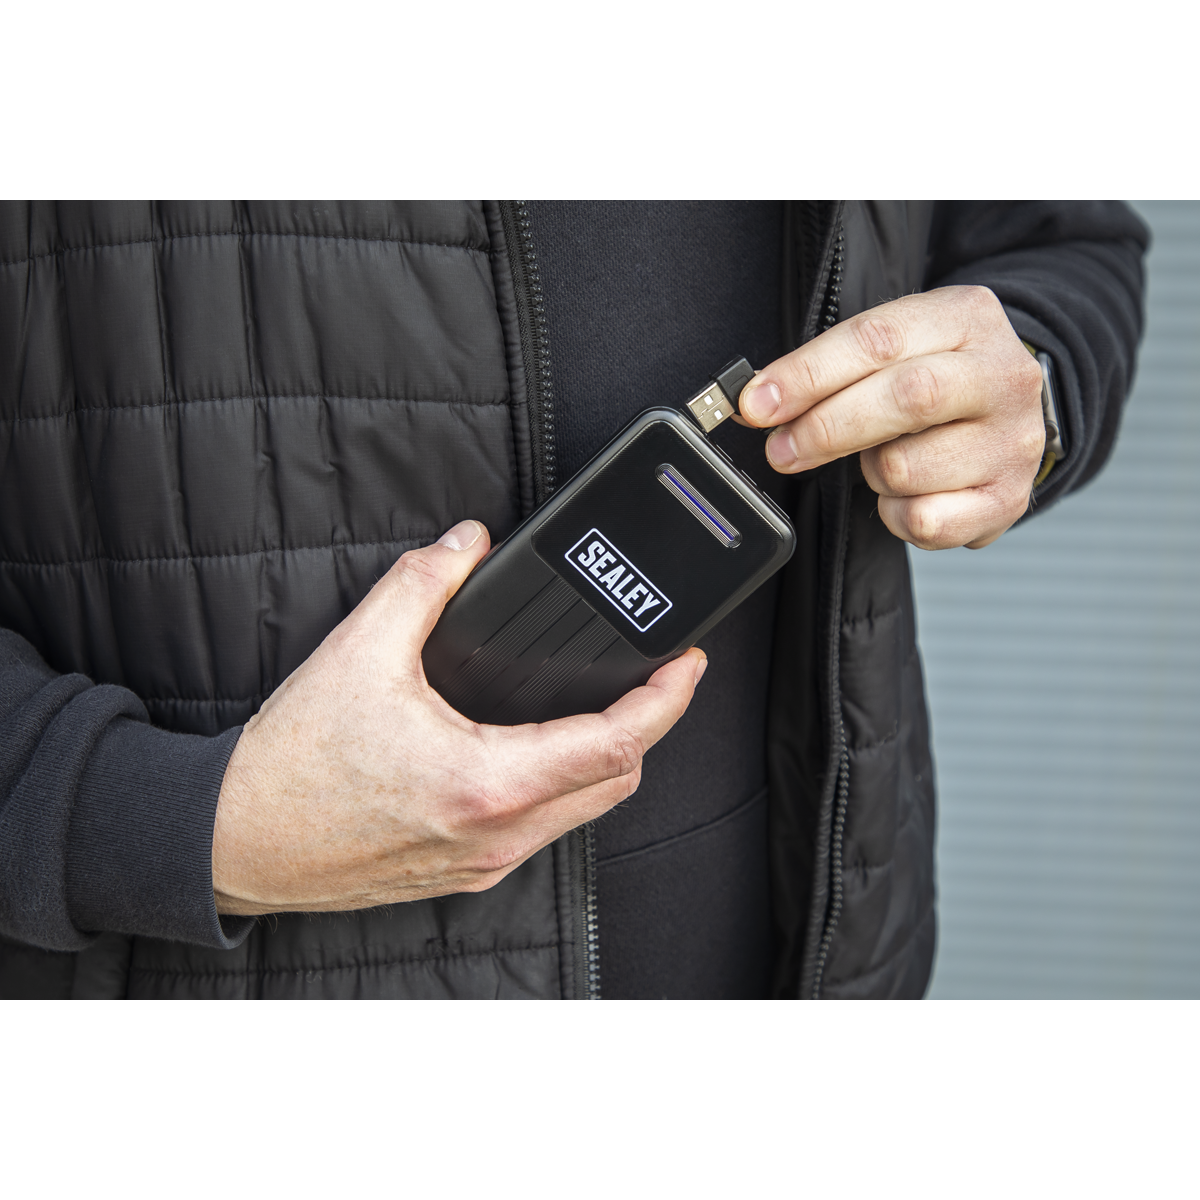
(938, 396)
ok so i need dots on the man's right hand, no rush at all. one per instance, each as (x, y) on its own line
(357, 784)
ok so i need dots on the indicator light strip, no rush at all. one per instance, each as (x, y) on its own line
(700, 508)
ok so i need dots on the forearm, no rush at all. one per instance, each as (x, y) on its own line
(105, 822)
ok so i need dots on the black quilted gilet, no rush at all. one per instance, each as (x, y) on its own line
(221, 422)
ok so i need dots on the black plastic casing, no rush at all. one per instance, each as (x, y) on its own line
(613, 576)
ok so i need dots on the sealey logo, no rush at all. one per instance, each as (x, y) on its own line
(608, 570)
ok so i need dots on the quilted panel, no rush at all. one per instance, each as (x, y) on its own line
(221, 422)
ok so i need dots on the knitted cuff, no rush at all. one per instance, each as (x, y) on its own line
(139, 848)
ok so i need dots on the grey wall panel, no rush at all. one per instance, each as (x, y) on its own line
(1064, 676)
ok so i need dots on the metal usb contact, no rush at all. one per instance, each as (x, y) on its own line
(718, 401)
(710, 408)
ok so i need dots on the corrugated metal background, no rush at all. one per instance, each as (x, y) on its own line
(1064, 676)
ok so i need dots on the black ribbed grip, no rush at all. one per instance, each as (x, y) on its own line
(510, 641)
(576, 654)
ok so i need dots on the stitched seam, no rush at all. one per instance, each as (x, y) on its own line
(901, 826)
(200, 699)
(851, 623)
(181, 237)
(189, 558)
(911, 937)
(363, 966)
(867, 747)
(865, 868)
(124, 408)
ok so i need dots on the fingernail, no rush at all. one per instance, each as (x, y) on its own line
(761, 402)
(464, 534)
(700, 671)
(781, 450)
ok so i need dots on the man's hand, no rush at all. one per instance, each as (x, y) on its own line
(358, 785)
(937, 394)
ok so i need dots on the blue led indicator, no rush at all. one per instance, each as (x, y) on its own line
(700, 508)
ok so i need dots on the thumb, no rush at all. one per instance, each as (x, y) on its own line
(422, 581)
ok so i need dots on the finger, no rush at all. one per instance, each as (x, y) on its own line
(943, 520)
(651, 710)
(906, 398)
(553, 777)
(949, 458)
(539, 763)
(413, 593)
(911, 327)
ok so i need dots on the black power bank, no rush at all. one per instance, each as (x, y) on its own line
(623, 569)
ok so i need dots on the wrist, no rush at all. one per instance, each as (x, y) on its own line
(1056, 449)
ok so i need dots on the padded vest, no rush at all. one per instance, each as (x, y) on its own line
(220, 423)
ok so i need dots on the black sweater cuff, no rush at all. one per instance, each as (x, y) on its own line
(139, 846)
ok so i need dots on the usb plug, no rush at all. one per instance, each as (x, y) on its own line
(718, 402)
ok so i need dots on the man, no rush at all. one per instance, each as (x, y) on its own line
(234, 435)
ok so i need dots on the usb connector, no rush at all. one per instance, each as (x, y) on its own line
(710, 408)
(718, 402)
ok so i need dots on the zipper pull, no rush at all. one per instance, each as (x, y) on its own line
(718, 402)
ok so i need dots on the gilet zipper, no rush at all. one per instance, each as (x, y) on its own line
(535, 352)
(835, 861)
(833, 293)
(535, 344)
(837, 730)
(535, 356)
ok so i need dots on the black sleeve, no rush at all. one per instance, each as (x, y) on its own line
(106, 822)
(1069, 274)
